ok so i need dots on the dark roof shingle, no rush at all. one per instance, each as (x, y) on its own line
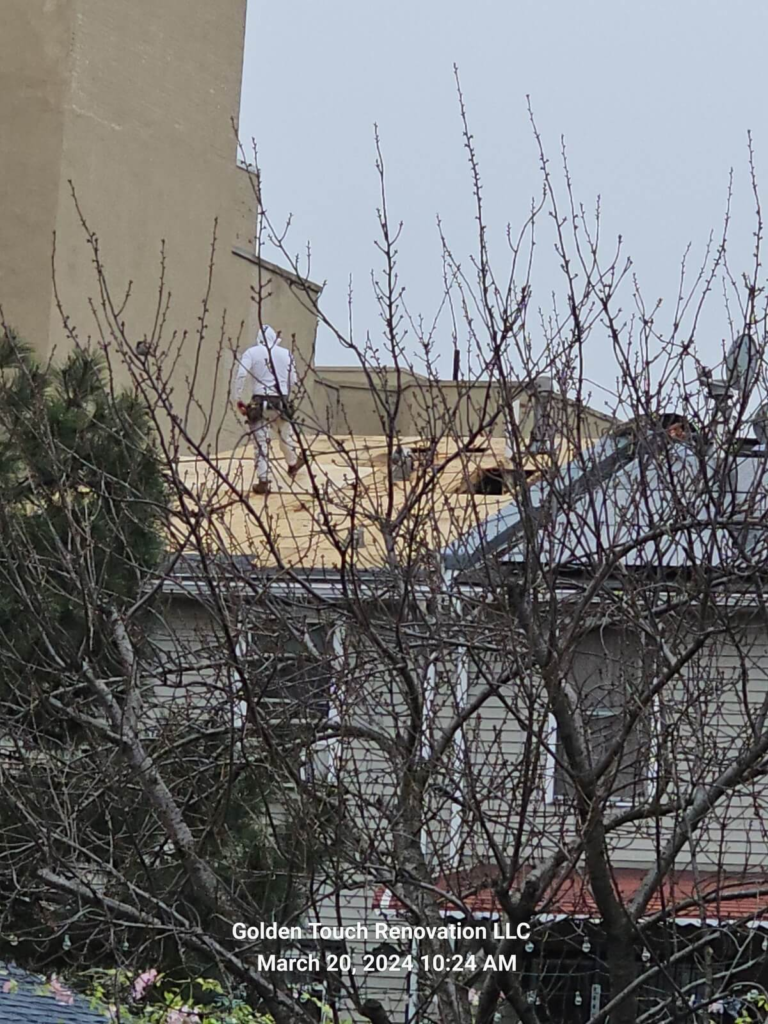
(29, 999)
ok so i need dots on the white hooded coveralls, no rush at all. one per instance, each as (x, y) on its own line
(267, 369)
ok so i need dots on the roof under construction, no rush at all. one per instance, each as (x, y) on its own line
(347, 503)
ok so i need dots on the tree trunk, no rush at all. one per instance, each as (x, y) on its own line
(622, 971)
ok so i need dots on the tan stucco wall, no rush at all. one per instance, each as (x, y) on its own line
(134, 103)
(356, 401)
(352, 403)
(35, 44)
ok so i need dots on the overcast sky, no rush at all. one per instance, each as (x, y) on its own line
(654, 99)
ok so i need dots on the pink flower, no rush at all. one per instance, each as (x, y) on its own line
(183, 1016)
(142, 983)
(61, 993)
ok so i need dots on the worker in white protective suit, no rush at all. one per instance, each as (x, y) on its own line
(266, 375)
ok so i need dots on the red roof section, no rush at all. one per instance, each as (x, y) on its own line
(686, 895)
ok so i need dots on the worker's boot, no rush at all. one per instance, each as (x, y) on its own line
(262, 487)
(293, 470)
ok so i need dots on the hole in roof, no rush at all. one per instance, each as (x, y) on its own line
(490, 482)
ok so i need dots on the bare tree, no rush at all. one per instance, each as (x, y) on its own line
(390, 690)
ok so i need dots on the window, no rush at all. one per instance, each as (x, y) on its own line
(606, 681)
(292, 666)
(289, 667)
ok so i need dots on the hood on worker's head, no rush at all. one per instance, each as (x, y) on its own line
(268, 336)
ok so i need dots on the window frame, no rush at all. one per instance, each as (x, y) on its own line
(246, 645)
(553, 770)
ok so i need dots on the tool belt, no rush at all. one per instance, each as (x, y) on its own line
(254, 410)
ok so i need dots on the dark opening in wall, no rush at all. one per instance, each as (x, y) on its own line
(490, 481)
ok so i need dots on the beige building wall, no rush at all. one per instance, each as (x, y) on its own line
(134, 104)
(351, 401)
(35, 38)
